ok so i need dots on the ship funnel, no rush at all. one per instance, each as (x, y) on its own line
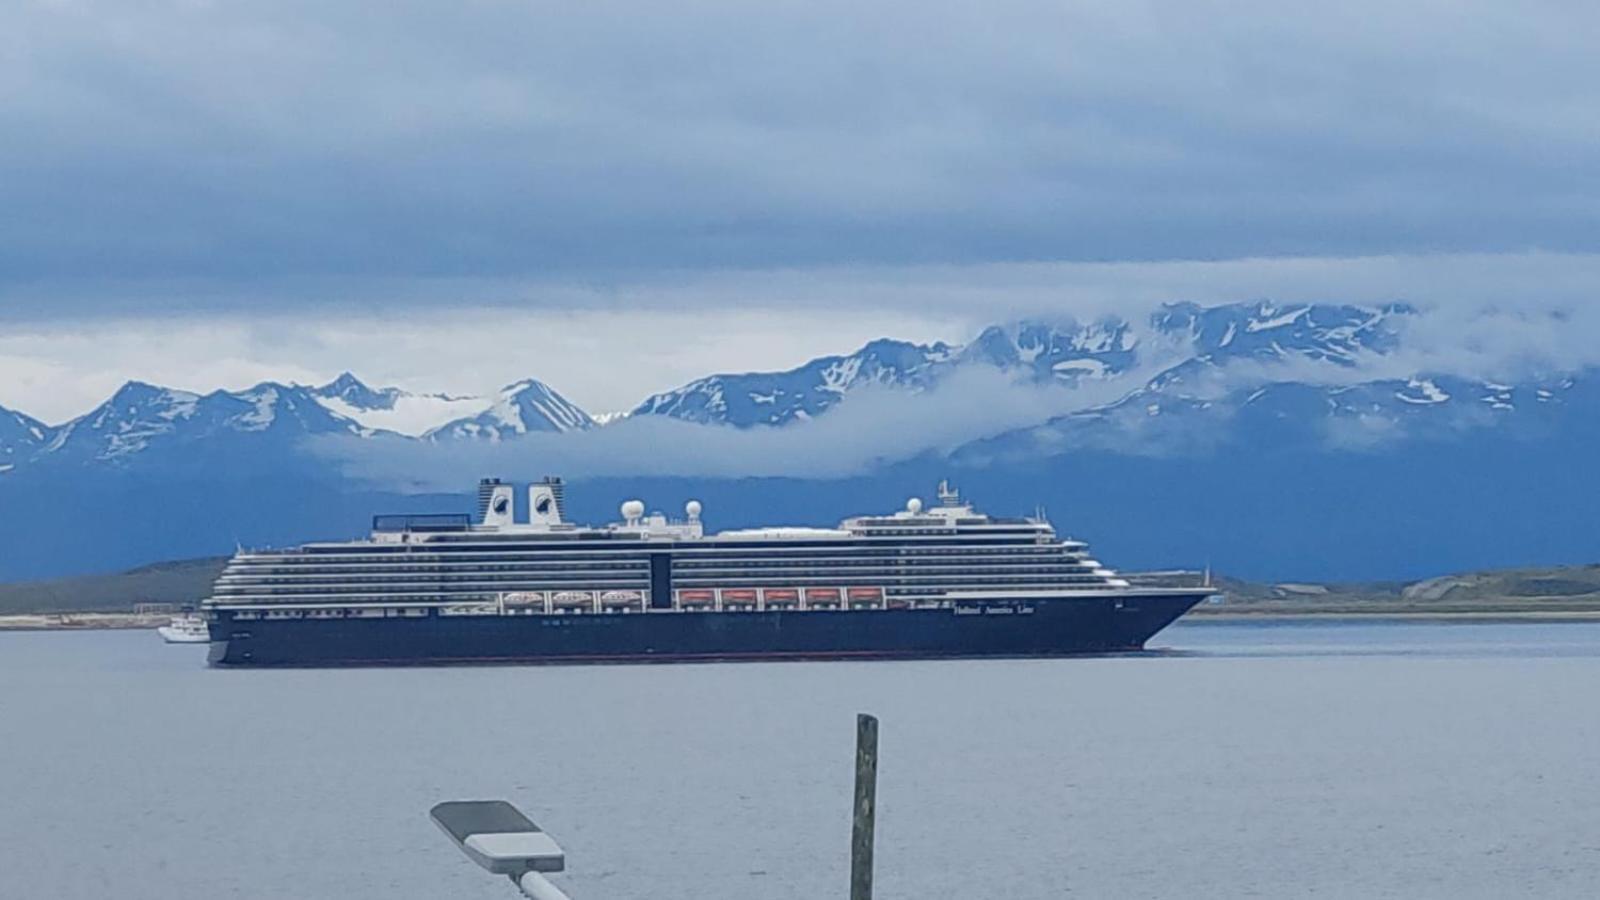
(496, 503)
(544, 502)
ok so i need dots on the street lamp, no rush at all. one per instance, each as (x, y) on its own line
(497, 836)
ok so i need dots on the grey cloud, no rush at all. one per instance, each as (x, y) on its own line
(247, 141)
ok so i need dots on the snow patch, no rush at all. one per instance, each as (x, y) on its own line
(1276, 321)
(505, 412)
(261, 417)
(1091, 368)
(412, 414)
(1430, 393)
(178, 405)
(838, 377)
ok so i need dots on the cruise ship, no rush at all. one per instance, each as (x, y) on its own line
(928, 581)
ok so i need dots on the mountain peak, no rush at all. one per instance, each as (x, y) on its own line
(524, 406)
(135, 391)
(20, 435)
(349, 389)
(778, 398)
(1269, 330)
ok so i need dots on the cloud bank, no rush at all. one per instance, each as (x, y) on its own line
(235, 143)
(607, 346)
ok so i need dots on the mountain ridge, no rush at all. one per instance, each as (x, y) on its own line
(1245, 433)
(1184, 362)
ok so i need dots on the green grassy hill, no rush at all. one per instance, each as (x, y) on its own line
(1553, 590)
(185, 582)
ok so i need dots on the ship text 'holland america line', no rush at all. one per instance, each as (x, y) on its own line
(943, 581)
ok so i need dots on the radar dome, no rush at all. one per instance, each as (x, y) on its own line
(692, 509)
(914, 505)
(633, 509)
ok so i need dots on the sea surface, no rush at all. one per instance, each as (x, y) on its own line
(1300, 760)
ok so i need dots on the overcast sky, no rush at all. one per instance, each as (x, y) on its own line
(614, 197)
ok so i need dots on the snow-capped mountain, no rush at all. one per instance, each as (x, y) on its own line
(20, 437)
(521, 408)
(141, 417)
(1182, 340)
(352, 392)
(779, 398)
(1322, 394)
(1269, 332)
(1163, 419)
(392, 409)
(1184, 361)
(149, 424)
(1065, 353)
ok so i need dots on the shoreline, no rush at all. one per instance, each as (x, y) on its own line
(82, 621)
(104, 621)
(1235, 616)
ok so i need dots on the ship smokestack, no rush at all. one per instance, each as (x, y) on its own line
(495, 502)
(544, 501)
(485, 494)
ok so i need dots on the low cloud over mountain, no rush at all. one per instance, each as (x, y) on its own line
(1276, 419)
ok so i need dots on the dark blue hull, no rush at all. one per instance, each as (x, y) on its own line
(1020, 628)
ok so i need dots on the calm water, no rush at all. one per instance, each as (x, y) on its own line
(1320, 760)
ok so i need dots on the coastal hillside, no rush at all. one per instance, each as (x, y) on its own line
(1553, 590)
(181, 583)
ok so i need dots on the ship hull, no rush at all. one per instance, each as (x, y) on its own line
(995, 629)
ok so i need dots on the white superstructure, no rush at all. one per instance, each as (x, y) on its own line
(537, 562)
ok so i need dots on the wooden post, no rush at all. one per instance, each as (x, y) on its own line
(866, 810)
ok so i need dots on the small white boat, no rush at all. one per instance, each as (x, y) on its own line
(188, 629)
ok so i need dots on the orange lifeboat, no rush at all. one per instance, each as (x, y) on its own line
(822, 598)
(781, 598)
(696, 599)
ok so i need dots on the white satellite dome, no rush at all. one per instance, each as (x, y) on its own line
(692, 509)
(632, 510)
(914, 505)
